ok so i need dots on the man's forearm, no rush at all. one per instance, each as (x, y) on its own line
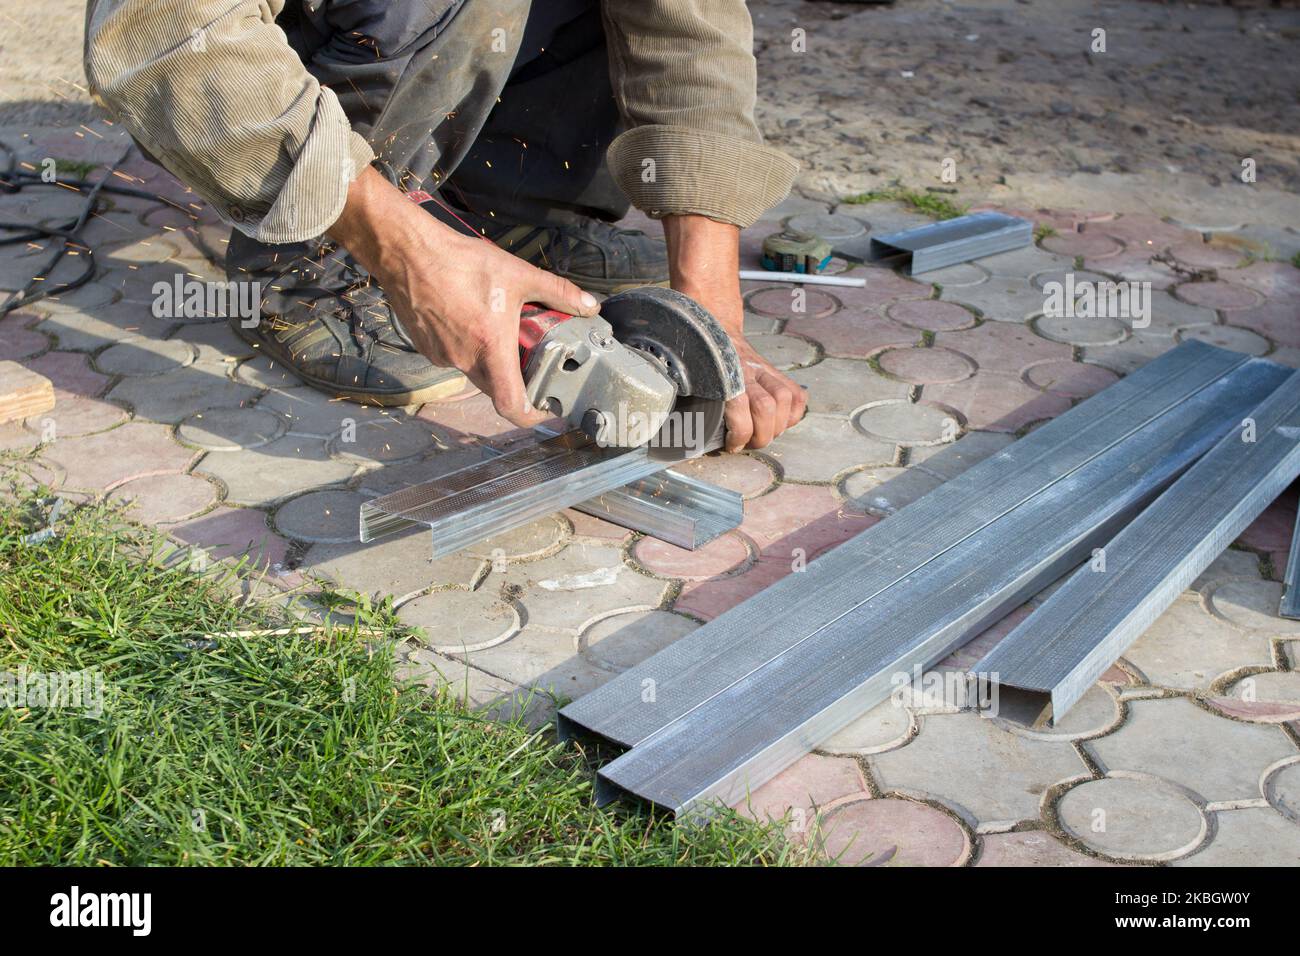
(704, 263)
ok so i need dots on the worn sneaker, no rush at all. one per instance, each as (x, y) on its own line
(323, 319)
(594, 255)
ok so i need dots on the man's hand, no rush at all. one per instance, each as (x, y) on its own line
(458, 297)
(704, 261)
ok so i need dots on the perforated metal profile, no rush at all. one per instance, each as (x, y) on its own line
(1059, 651)
(1290, 606)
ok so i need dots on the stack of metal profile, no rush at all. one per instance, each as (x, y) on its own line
(727, 707)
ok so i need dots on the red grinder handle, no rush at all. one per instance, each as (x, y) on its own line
(534, 322)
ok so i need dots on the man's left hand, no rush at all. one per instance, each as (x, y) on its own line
(704, 262)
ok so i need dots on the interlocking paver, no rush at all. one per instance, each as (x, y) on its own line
(624, 640)
(931, 315)
(308, 412)
(1278, 320)
(1228, 337)
(1132, 818)
(1076, 330)
(164, 499)
(821, 446)
(1218, 295)
(888, 725)
(838, 386)
(384, 440)
(70, 372)
(949, 461)
(174, 396)
(926, 366)
(139, 356)
(1089, 245)
(1217, 758)
(278, 469)
(546, 660)
(329, 517)
(456, 621)
(1251, 836)
(746, 475)
(784, 351)
(230, 429)
(883, 490)
(1274, 279)
(1024, 262)
(1129, 355)
(1282, 789)
(397, 566)
(527, 542)
(1001, 299)
(18, 340)
(263, 372)
(792, 302)
(891, 832)
(800, 516)
(908, 423)
(971, 764)
(1002, 347)
(102, 461)
(1251, 605)
(1030, 848)
(997, 402)
(74, 416)
(234, 533)
(807, 785)
(722, 554)
(1186, 648)
(1071, 379)
(851, 334)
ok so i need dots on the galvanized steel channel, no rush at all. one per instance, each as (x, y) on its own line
(1047, 663)
(1290, 606)
(742, 697)
(947, 243)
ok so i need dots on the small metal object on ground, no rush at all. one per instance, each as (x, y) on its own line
(794, 251)
(1047, 663)
(762, 275)
(1291, 579)
(761, 649)
(499, 494)
(23, 393)
(947, 243)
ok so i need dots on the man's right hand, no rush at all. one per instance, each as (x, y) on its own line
(458, 297)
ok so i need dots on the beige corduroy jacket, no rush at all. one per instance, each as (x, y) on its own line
(214, 92)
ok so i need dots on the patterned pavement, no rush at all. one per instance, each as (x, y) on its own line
(1186, 752)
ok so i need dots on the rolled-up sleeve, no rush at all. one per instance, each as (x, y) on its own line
(686, 80)
(215, 94)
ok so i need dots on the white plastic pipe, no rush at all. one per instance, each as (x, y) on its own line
(762, 275)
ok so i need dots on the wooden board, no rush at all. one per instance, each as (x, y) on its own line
(23, 393)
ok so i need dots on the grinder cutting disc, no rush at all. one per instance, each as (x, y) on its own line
(680, 335)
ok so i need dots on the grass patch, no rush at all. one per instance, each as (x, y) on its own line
(932, 204)
(285, 750)
(73, 168)
(1295, 260)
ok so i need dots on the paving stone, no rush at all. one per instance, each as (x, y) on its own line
(1149, 233)
(1281, 242)
(1218, 759)
(821, 446)
(962, 274)
(926, 366)
(1030, 848)
(1282, 790)
(396, 566)
(329, 517)
(144, 357)
(456, 621)
(746, 475)
(70, 372)
(949, 461)
(851, 334)
(986, 774)
(311, 413)
(889, 832)
(837, 386)
(1129, 355)
(585, 526)
(1186, 648)
(931, 315)
(263, 372)
(230, 429)
(101, 462)
(883, 490)
(1280, 688)
(788, 301)
(800, 516)
(907, 423)
(1205, 255)
(785, 352)
(13, 437)
(474, 689)
(624, 640)
(792, 205)
(1169, 316)
(527, 542)
(884, 287)
(150, 251)
(1252, 606)
(829, 226)
(174, 396)
(1251, 836)
(886, 215)
(1271, 279)
(545, 660)
(1132, 818)
(802, 790)
(1218, 295)
(79, 332)
(89, 297)
(215, 343)
(995, 402)
(884, 727)
(1228, 337)
(163, 499)
(1000, 299)
(276, 470)
(1023, 263)
(1277, 319)
(719, 556)
(74, 416)
(582, 583)
(1097, 330)
(1272, 530)
(384, 440)
(1069, 275)
(468, 420)
(1231, 563)
(1093, 246)
(383, 481)
(17, 341)
(232, 533)
(1095, 713)
(1071, 379)
(1002, 347)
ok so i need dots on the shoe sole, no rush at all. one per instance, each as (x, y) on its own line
(451, 384)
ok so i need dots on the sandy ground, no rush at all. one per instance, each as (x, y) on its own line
(1009, 90)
